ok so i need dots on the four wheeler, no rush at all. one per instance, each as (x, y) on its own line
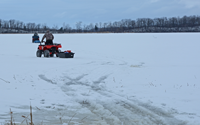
(50, 50)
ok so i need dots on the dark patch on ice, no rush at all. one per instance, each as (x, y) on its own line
(42, 101)
(43, 77)
(48, 107)
(90, 62)
(95, 86)
(185, 113)
(84, 103)
(4, 80)
(107, 63)
(75, 81)
(100, 80)
(61, 105)
(138, 65)
(85, 94)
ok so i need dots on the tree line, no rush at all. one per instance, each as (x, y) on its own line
(140, 25)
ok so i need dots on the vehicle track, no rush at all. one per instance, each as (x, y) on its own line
(95, 104)
(114, 109)
(105, 106)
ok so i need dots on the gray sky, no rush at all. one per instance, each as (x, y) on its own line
(57, 12)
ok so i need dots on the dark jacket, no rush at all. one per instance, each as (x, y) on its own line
(35, 37)
(48, 36)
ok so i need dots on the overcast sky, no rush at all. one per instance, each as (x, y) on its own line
(57, 12)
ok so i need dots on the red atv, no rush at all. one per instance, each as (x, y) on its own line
(50, 50)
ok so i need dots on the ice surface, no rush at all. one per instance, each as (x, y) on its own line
(113, 79)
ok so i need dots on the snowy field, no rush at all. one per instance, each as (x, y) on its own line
(113, 79)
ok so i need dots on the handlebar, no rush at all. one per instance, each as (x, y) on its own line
(42, 42)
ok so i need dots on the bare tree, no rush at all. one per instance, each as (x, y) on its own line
(78, 26)
(12, 24)
(0, 23)
(104, 25)
(100, 24)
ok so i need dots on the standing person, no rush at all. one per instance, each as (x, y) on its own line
(49, 38)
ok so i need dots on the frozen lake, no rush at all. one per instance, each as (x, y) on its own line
(113, 79)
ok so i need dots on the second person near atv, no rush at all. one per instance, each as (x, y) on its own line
(35, 37)
(49, 38)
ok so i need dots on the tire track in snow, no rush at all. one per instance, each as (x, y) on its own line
(118, 110)
(128, 112)
(43, 77)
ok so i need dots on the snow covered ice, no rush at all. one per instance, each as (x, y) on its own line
(113, 79)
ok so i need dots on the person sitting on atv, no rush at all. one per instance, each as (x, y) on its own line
(35, 37)
(49, 38)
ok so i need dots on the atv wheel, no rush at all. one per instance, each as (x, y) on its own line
(59, 50)
(39, 53)
(51, 55)
(46, 53)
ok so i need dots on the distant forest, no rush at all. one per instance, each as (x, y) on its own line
(140, 25)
